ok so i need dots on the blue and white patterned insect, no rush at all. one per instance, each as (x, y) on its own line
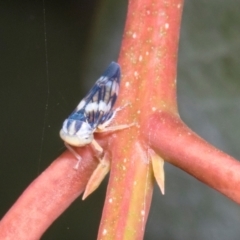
(94, 113)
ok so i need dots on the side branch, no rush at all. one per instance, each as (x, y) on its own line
(180, 146)
(47, 197)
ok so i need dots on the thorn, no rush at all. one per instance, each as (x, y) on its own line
(158, 169)
(97, 177)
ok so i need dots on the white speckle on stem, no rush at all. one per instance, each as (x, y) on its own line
(127, 84)
(140, 58)
(154, 109)
(134, 35)
(162, 13)
(166, 25)
(104, 231)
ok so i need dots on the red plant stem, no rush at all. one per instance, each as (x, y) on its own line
(47, 197)
(148, 55)
(148, 59)
(179, 145)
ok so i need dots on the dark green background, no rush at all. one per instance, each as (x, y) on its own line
(82, 38)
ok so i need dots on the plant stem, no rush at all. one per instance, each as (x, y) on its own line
(47, 197)
(180, 146)
(148, 59)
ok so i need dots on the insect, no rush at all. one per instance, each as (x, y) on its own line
(94, 113)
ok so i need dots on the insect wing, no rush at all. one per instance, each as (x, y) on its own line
(97, 105)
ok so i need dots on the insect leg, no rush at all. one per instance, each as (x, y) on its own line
(97, 149)
(75, 154)
(114, 113)
(115, 128)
